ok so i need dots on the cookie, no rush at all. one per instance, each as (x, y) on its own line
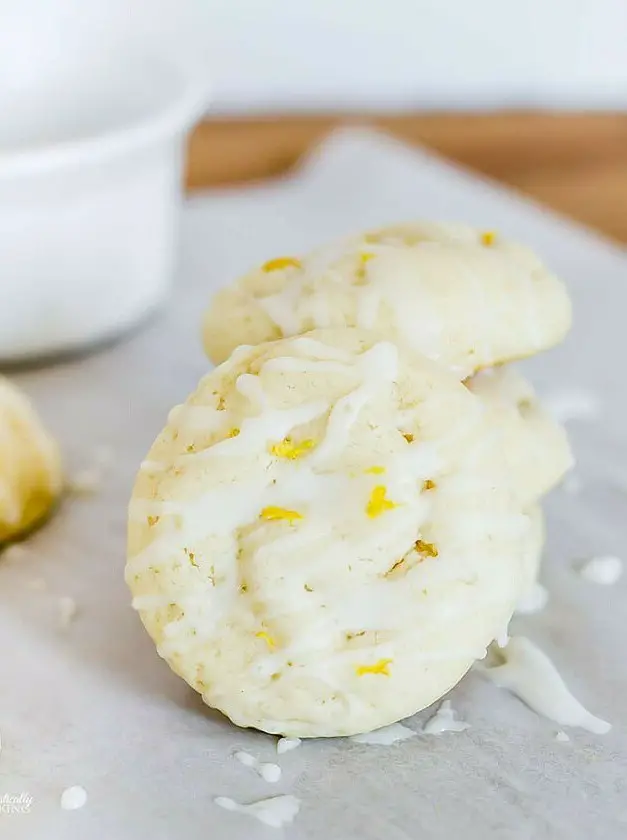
(314, 544)
(30, 466)
(466, 298)
(535, 445)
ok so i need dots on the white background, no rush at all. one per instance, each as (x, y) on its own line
(280, 55)
(276, 54)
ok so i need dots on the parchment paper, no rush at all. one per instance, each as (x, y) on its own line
(93, 705)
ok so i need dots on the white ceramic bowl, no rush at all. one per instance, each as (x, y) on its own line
(90, 192)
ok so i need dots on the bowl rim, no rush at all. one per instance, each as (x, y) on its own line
(167, 119)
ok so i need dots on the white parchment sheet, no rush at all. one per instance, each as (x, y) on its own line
(93, 705)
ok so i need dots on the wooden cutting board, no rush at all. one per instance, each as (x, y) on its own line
(574, 163)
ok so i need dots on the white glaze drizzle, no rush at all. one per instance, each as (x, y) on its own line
(484, 307)
(529, 674)
(385, 736)
(444, 720)
(378, 367)
(232, 506)
(245, 758)
(276, 811)
(418, 319)
(503, 637)
(286, 744)
(268, 771)
(400, 273)
(368, 304)
(324, 352)
(297, 485)
(320, 310)
(283, 307)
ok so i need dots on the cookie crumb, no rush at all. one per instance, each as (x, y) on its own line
(605, 571)
(68, 609)
(73, 798)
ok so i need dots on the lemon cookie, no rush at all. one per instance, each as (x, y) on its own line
(464, 297)
(30, 466)
(535, 445)
(313, 544)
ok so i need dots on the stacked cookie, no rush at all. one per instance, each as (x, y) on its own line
(342, 517)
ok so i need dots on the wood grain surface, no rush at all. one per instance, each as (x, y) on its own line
(574, 163)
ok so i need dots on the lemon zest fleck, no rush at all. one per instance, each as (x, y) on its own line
(190, 448)
(267, 639)
(408, 437)
(281, 262)
(377, 503)
(488, 237)
(233, 433)
(290, 450)
(429, 485)
(367, 256)
(375, 470)
(379, 667)
(395, 566)
(152, 520)
(192, 557)
(426, 548)
(273, 513)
